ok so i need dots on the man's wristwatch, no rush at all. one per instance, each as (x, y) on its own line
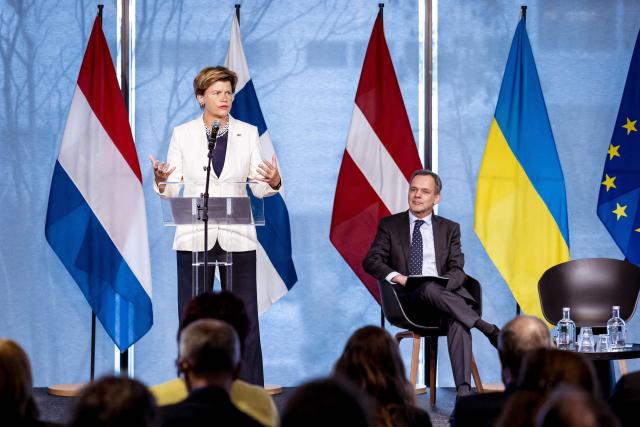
(277, 187)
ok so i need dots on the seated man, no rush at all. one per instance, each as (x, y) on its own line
(250, 399)
(417, 242)
(209, 359)
(519, 336)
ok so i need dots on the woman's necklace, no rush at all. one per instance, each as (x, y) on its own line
(220, 131)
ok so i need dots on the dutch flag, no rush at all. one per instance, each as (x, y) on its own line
(275, 271)
(96, 220)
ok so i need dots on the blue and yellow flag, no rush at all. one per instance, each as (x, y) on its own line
(521, 204)
(618, 202)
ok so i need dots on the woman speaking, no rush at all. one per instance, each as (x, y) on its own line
(237, 157)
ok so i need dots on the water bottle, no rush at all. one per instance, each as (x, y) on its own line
(617, 330)
(566, 329)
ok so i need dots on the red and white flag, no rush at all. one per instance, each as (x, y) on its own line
(376, 166)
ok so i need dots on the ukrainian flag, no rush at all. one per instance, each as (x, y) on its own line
(619, 198)
(521, 204)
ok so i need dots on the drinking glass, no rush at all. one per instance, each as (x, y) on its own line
(603, 343)
(586, 341)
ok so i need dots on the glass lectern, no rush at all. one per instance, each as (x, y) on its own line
(231, 207)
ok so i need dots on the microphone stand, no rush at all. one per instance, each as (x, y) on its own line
(205, 205)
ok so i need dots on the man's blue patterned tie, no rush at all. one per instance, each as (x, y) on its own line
(415, 253)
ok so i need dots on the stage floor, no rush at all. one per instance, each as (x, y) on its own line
(58, 409)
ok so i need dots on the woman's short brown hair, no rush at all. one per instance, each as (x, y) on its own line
(209, 75)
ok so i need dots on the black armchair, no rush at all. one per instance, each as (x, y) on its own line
(590, 287)
(397, 316)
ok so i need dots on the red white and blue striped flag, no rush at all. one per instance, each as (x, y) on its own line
(275, 271)
(96, 220)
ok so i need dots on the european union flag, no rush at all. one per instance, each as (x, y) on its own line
(619, 199)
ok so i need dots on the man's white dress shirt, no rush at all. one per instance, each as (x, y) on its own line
(428, 248)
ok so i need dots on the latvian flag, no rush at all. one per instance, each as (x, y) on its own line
(96, 220)
(275, 271)
(376, 166)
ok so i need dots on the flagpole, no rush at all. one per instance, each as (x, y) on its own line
(428, 88)
(523, 15)
(428, 163)
(93, 345)
(122, 365)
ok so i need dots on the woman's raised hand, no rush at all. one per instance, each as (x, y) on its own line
(161, 170)
(269, 173)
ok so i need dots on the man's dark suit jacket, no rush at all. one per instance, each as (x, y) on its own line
(390, 250)
(625, 399)
(479, 410)
(207, 406)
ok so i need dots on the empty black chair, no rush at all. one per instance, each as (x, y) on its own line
(590, 287)
(397, 316)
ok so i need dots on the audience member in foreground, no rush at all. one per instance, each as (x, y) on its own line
(209, 360)
(542, 372)
(570, 407)
(330, 402)
(115, 402)
(371, 361)
(17, 405)
(250, 399)
(625, 399)
(518, 337)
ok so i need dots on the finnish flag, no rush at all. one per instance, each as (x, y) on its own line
(275, 271)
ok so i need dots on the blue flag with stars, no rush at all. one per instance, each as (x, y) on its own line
(619, 199)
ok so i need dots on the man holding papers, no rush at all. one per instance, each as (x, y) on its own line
(419, 254)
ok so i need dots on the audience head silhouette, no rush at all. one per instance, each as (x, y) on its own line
(209, 353)
(625, 399)
(371, 360)
(223, 306)
(328, 402)
(542, 371)
(518, 337)
(570, 407)
(115, 402)
(545, 369)
(17, 404)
